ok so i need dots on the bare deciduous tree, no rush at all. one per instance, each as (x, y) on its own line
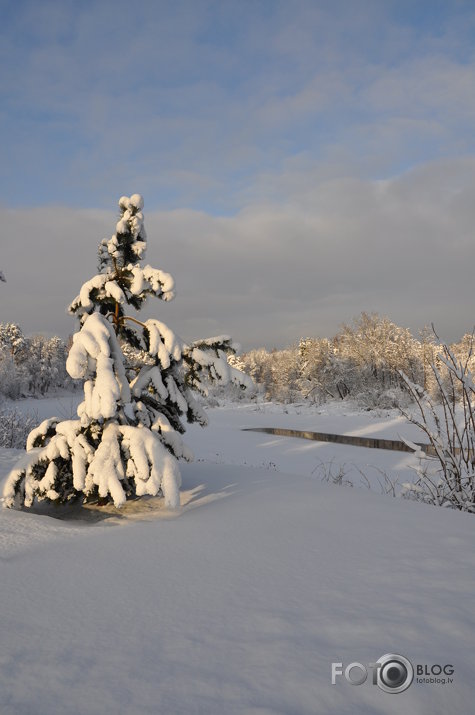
(447, 478)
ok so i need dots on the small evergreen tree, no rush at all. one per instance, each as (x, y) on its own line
(138, 385)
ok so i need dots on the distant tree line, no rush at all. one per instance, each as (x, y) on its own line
(31, 366)
(364, 361)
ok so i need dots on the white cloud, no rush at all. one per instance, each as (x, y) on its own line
(283, 120)
(274, 271)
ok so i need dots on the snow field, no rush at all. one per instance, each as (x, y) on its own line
(241, 603)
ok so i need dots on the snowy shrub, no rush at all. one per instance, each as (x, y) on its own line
(446, 477)
(376, 398)
(394, 398)
(15, 427)
(350, 475)
(139, 380)
(221, 394)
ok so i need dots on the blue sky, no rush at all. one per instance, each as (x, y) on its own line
(242, 109)
(196, 100)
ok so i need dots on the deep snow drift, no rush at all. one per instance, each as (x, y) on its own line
(241, 603)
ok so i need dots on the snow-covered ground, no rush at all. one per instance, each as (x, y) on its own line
(240, 603)
(304, 457)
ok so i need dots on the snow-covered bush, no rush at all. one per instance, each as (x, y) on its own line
(376, 398)
(15, 427)
(127, 438)
(446, 476)
(222, 394)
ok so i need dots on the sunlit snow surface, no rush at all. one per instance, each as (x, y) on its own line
(241, 602)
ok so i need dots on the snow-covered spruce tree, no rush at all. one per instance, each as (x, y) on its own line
(139, 379)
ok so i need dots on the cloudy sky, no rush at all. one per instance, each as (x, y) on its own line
(301, 161)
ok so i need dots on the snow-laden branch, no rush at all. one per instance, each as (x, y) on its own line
(126, 460)
(96, 356)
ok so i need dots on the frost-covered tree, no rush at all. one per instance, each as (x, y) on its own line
(13, 353)
(378, 348)
(362, 361)
(446, 477)
(45, 364)
(30, 366)
(139, 379)
(10, 385)
(323, 372)
(12, 338)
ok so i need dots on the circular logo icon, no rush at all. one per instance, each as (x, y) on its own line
(395, 673)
